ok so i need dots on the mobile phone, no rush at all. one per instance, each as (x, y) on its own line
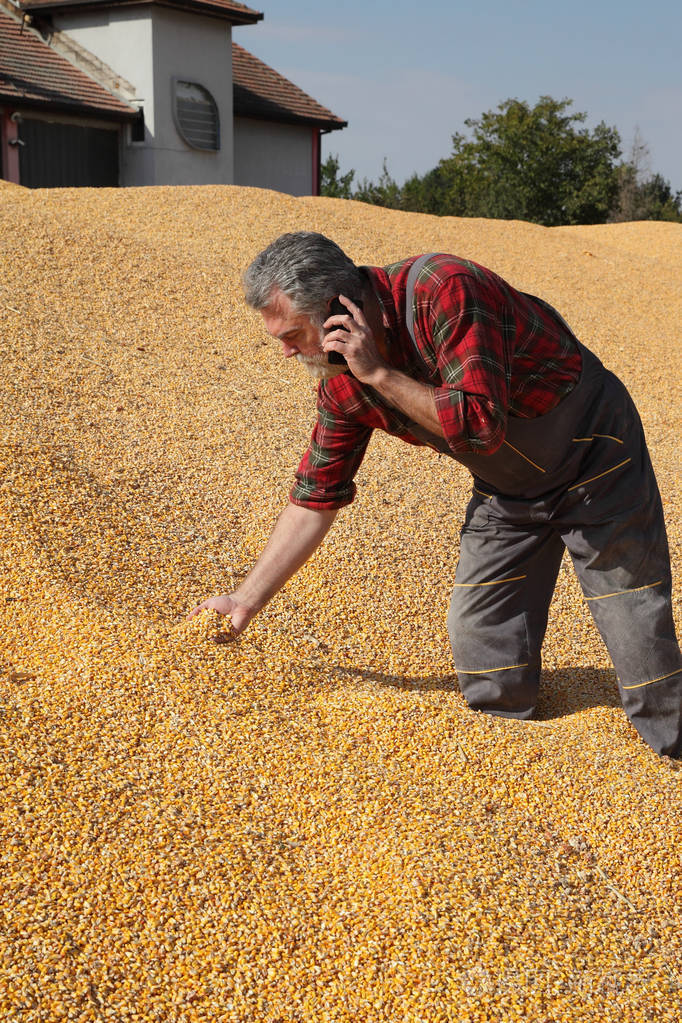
(335, 308)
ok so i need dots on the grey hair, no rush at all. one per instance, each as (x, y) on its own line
(307, 267)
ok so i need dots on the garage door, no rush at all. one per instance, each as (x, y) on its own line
(67, 155)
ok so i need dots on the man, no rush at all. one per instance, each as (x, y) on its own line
(438, 350)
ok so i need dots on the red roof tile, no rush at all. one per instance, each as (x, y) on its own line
(262, 93)
(230, 10)
(32, 74)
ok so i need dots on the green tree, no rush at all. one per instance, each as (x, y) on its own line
(527, 163)
(385, 192)
(641, 194)
(659, 200)
(427, 194)
(331, 183)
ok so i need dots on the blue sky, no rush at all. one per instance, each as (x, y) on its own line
(405, 75)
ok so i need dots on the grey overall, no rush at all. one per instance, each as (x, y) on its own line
(578, 477)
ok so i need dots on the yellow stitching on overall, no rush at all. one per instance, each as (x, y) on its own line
(489, 671)
(605, 436)
(584, 483)
(495, 582)
(530, 460)
(618, 593)
(660, 678)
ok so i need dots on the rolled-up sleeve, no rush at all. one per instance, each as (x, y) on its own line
(473, 360)
(325, 476)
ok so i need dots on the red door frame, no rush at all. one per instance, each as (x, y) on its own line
(316, 161)
(9, 136)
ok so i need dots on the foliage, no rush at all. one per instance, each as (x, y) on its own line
(539, 164)
(658, 200)
(641, 194)
(533, 164)
(333, 185)
(386, 192)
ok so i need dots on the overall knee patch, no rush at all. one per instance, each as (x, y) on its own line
(494, 666)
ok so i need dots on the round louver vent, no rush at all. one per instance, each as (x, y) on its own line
(196, 115)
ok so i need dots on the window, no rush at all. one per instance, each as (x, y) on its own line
(196, 115)
(137, 127)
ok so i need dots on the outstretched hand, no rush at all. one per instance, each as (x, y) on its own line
(351, 335)
(225, 604)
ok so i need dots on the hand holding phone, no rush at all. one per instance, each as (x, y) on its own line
(336, 308)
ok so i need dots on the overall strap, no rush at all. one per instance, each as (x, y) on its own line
(409, 296)
(551, 308)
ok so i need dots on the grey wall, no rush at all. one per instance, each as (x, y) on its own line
(271, 155)
(198, 49)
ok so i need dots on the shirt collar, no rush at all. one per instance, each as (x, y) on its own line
(381, 285)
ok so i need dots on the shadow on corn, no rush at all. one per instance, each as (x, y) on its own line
(563, 691)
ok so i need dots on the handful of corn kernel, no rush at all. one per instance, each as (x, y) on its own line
(207, 625)
(225, 632)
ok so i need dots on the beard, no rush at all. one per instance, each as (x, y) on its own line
(318, 366)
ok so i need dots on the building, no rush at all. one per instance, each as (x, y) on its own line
(58, 124)
(106, 92)
(272, 115)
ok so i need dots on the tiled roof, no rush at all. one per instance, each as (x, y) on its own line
(262, 93)
(230, 10)
(32, 74)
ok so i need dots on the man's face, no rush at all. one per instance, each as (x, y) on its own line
(299, 336)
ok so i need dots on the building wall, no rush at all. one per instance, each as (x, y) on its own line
(123, 39)
(149, 46)
(271, 155)
(197, 49)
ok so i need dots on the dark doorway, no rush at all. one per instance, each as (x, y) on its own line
(58, 155)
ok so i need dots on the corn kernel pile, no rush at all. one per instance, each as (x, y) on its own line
(307, 824)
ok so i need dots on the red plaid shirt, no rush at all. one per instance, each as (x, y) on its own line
(488, 351)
